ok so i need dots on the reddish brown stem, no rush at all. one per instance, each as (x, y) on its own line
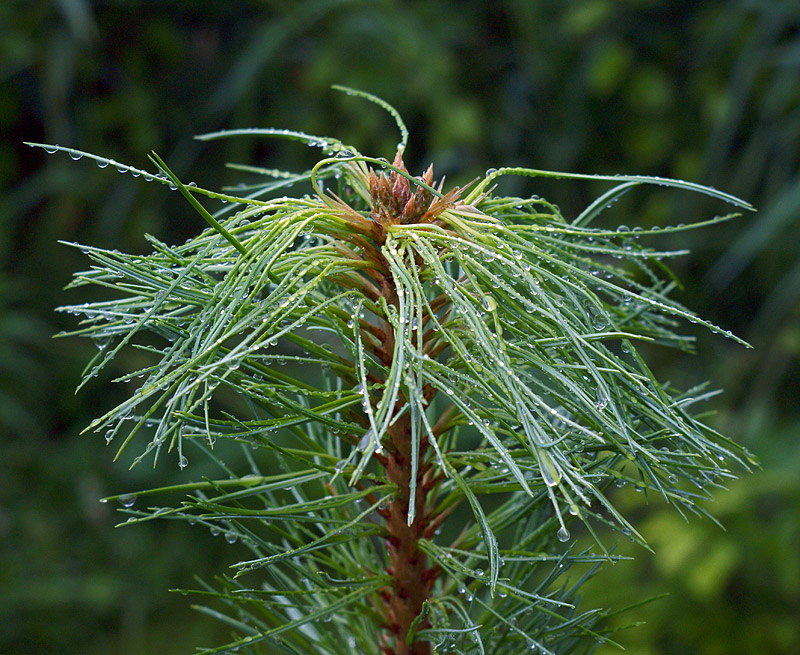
(394, 202)
(411, 578)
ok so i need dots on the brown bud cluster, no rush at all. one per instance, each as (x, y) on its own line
(393, 200)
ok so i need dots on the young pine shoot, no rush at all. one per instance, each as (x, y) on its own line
(411, 394)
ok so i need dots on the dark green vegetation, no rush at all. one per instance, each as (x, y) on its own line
(706, 94)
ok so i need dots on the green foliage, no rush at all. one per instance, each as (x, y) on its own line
(721, 574)
(707, 93)
(379, 361)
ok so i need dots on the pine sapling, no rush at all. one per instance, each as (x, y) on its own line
(411, 393)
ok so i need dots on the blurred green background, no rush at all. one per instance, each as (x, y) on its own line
(703, 91)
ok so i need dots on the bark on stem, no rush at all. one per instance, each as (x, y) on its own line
(411, 578)
(394, 202)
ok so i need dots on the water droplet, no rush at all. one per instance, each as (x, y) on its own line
(231, 537)
(183, 462)
(623, 228)
(550, 477)
(101, 342)
(562, 534)
(127, 500)
(601, 399)
(102, 163)
(122, 168)
(364, 443)
(490, 171)
(75, 156)
(51, 149)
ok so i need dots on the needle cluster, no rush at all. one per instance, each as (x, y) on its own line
(410, 397)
